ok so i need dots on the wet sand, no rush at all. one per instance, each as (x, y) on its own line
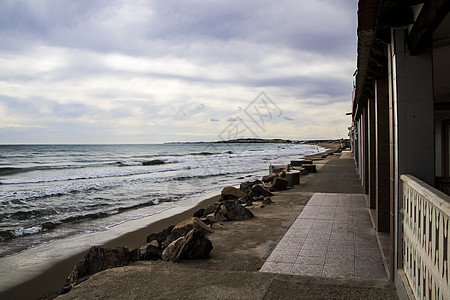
(49, 282)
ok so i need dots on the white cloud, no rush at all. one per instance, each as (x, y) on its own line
(166, 70)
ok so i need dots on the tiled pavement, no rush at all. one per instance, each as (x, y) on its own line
(332, 237)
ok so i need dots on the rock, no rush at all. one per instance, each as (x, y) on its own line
(192, 246)
(173, 251)
(152, 253)
(151, 237)
(163, 237)
(185, 226)
(199, 213)
(218, 226)
(219, 216)
(211, 209)
(153, 162)
(245, 199)
(247, 186)
(269, 178)
(235, 211)
(153, 243)
(172, 233)
(267, 185)
(210, 217)
(280, 183)
(96, 260)
(206, 221)
(231, 193)
(257, 205)
(249, 203)
(267, 200)
(258, 190)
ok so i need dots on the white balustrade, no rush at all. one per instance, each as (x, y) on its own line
(426, 244)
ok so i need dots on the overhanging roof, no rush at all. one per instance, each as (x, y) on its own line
(367, 19)
(375, 20)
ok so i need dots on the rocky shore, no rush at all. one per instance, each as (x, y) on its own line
(199, 233)
(188, 239)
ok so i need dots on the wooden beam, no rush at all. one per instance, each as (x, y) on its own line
(430, 16)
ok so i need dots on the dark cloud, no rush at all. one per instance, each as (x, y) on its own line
(140, 26)
(178, 63)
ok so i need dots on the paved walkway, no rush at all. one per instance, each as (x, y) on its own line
(332, 237)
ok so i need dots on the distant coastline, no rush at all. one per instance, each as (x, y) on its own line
(264, 141)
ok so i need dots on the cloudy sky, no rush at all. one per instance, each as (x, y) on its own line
(153, 71)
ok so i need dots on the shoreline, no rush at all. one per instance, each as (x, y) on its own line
(51, 280)
(47, 281)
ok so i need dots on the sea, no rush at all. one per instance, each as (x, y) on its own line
(50, 193)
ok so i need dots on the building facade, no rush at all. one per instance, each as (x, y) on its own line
(401, 137)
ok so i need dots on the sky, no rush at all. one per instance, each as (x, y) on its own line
(84, 71)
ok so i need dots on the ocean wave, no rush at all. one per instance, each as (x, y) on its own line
(17, 197)
(93, 174)
(47, 225)
(27, 214)
(21, 198)
(4, 171)
(203, 153)
(156, 166)
(18, 232)
(131, 163)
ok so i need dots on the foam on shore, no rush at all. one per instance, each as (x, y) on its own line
(42, 269)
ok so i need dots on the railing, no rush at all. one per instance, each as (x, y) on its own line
(426, 252)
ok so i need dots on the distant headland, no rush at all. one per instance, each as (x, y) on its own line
(264, 141)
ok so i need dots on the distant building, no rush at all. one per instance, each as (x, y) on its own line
(400, 137)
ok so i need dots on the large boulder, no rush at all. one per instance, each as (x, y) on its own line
(151, 253)
(245, 199)
(267, 201)
(194, 245)
(210, 209)
(163, 238)
(232, 210)
(96, 260)
(199, 213)
(231, 193)
(280, 183)
(187, 225)
(217, 216)
(171, 233)
(269, 178)
(248, 185)
(259, 190)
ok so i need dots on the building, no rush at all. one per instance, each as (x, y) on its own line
(401, 137)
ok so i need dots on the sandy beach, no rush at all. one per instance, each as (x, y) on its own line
(50, 281)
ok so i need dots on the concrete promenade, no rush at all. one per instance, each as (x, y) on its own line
(332, 237)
